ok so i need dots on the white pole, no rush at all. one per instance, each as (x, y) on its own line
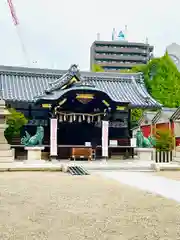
(105, 139)
(53, 137)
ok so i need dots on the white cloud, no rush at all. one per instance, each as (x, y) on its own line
(58, 32)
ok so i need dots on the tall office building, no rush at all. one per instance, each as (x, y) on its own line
(119, 54)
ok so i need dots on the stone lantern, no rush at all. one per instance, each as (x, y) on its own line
(6, 153)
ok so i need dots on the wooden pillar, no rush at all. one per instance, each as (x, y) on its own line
(173, 131)
(151, 132)
(169, 125)
(155, 128)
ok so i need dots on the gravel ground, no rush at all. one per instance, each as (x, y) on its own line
(55, 206)
(174, 175)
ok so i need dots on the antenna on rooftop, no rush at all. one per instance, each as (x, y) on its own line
(98, 36)
(148, 52)
(54, 66)
(125, 32)
(114, 34)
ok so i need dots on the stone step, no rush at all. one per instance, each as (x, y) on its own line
(6, 153)
(35, 161)
(7, 159)
(116, 168)
(176, 159)
(5, 147)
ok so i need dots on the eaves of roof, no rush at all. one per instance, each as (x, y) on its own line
(176, 115)
(24, 84)
(147, 116)
(167, 113)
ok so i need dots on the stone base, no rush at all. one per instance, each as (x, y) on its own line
(177, 149)
(155, 167)
(34, 155)
(65, 168)
(6, 153)
(145, 154)
(177, 153)
(34, 162)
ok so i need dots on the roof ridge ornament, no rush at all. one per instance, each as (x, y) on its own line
(72, 71)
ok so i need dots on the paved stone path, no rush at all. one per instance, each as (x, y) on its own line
(146, 181)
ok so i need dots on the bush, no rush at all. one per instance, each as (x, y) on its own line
(164, 140)
(16, 120)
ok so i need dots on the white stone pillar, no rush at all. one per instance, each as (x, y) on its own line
(53, 138)
(105, 140)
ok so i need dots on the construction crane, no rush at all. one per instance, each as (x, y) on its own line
(17, 25)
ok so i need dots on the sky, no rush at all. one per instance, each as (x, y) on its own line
(58, 33)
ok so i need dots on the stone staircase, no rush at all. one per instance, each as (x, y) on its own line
(6, 153)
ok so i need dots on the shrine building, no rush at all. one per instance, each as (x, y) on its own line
(79, 101)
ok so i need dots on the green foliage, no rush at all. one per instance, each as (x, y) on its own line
(97, 68)
(162, 80)
(139, 68)
(16, 120)
(126, 71)
(164, 140)
(136, 114)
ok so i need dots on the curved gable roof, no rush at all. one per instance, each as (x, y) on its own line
(26, 84)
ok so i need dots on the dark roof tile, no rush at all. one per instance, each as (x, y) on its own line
(26, 84)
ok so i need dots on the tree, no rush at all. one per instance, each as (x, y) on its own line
(136, 114)
(138, 68)
(16, 120)
(164, 140)
(162, 80)
(97, 68)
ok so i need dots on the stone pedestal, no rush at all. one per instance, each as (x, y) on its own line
(145, 154)
(34, 155)
(177, 152)
(6, 153)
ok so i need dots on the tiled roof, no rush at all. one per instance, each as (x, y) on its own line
(176, 114)
(150, 115)
(165, 113)
(57, 94)
(147, 116)
(26, 84)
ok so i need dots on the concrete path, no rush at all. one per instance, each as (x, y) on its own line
(111, 165)
(146, 181)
